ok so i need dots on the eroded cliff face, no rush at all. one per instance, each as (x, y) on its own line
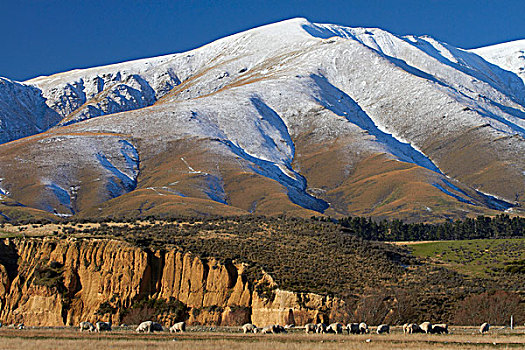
(51, 282)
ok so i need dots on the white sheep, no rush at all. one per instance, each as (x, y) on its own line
(363, 328)
(267, 329)
(103, 326)
(426, 327)
(440, 328)
(144, 327)
(484, 328)
(310, 327)
(249, 328)
(87, 326)
(353, 328)
(383, 328)
(336, 328)
(178, 327)
(405, 328)
(149, 326)
(320, 328)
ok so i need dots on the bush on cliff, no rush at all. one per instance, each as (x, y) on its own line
(154, 309)
(49, 275)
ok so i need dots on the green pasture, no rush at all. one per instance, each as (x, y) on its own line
(480, 257)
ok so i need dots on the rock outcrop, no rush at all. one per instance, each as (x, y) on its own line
(52, 282)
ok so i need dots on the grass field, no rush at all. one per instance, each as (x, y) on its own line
(70, 338)
(479, 257)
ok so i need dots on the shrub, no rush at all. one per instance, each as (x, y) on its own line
(49, 275)
(265, 290)
(153, 308)
(492, 307)
(106, 308)
(515, 267)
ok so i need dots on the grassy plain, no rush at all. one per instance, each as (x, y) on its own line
(70, 338)
(479, 257)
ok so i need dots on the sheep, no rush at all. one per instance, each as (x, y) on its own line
(103, 326)
(279, 329)
(412, 328)
(249, 328)
(383, 328)
(310, 327)
(320, 328)
(484, 328)
(144, 326)
(405, 328)
(439, 328)
(336, 328)
(178, 327)
(426, 327)
(363, 328)
(353, 328)
(267, 329)
(157, 327)
(87, 326)
(149, 326)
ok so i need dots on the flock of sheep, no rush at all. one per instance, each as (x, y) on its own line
(357, 328)
(337, 328)
(144, 327)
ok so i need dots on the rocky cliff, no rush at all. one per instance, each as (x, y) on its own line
(51, 282)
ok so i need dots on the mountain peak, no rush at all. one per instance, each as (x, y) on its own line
(292, 117)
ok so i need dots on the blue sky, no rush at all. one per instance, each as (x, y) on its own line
(42, 37)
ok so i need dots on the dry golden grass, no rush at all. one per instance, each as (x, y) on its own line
(70, 338)
(478, 161)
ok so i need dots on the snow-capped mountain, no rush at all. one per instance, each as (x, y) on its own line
(292, 117)
(23, 111)
(509, 56)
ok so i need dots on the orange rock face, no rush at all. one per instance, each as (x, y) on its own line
(48, 282)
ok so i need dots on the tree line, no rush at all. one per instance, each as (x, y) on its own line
(499, 226)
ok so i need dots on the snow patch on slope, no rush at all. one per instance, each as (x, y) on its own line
(343, 105)
(122, 180)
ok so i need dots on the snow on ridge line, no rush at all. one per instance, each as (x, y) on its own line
(323, 30)
(514, 44)
(148, 62)
(509, 56)
(141, 63)
(412, 53)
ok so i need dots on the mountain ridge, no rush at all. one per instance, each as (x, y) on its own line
(281, 118)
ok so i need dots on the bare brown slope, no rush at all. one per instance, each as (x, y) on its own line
(177, 180)
(357, 182)
(490, 165)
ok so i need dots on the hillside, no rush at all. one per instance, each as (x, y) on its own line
(231, 271)
(294, 117)
(481, 257)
